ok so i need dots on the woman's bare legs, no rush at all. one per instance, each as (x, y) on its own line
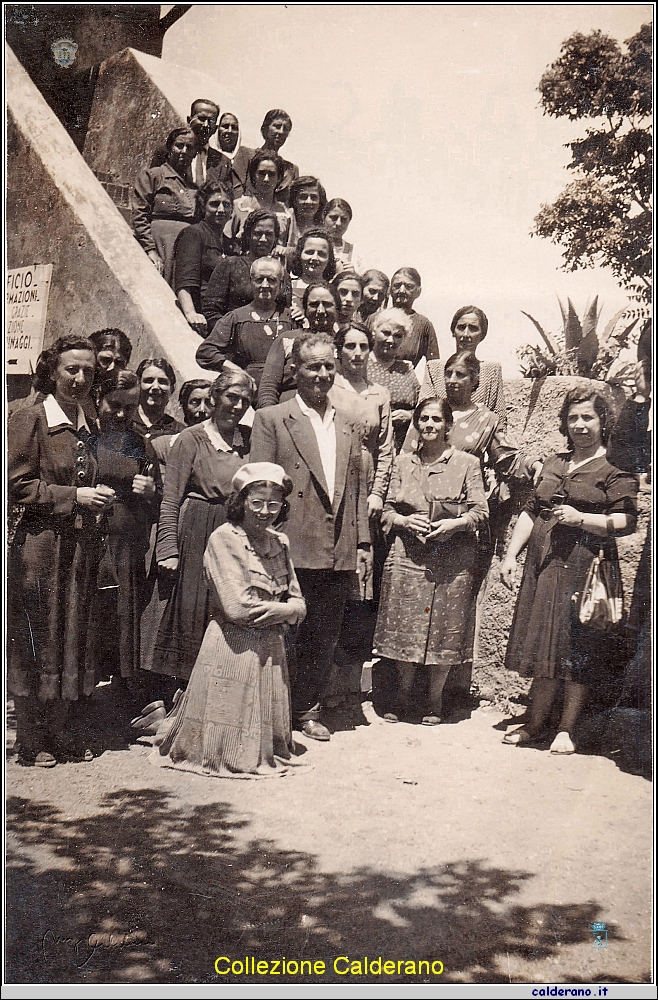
(574, 699)
(542, 696)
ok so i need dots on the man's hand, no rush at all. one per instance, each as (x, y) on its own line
(375, 505)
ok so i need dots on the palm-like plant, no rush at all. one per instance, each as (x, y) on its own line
(578, 349)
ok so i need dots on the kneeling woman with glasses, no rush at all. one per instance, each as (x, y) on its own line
(234, 718)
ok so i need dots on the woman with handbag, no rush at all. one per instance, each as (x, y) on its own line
(579, 504)
(435, 505)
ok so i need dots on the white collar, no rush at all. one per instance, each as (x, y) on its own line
(308, 411)
(216, 439)
(55, 415)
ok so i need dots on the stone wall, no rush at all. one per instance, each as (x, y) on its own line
(57, 212)
(138, 100)
(533, 407)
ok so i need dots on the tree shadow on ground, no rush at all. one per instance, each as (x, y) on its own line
(145, 891)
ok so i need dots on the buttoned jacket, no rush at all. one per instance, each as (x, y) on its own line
(324, 532)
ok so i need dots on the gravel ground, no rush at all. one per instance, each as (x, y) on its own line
(399, 841)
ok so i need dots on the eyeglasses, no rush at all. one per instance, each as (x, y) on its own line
(271, 506)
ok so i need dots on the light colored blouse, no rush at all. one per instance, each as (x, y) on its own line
(242, 578)
(371, 410)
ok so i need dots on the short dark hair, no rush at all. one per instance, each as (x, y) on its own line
(342, 276)
(482, 316)
(265, 154)
(309, 340)
(113, 380)
(173, 135)
(337, 203)
(304, 182)
(112, 335)
(410, 272)
(42, 380)
(259, 215)
(272, 116)
(319, 233)
(160, 363)
(586, 394)
(470, 362)
(446, 410)
(341, 336)
(236, 503)
(319, 284)
(203, 100)
(229, 377)
(188, 388)
(209, 189)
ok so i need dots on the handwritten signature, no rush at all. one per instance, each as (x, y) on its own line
(83, 949)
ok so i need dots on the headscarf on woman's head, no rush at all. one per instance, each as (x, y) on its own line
(231, 156)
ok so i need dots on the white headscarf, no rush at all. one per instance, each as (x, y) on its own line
(231, 156)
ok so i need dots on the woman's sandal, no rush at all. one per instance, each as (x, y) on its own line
(563, 744)
(518, 737)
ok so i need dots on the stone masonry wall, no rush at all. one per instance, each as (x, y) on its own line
(533, 407)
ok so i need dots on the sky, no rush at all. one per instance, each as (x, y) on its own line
(426, 118)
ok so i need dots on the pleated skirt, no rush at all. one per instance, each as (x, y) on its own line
(234, 718)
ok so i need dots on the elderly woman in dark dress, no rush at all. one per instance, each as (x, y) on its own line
(198, 251)
(579, 504)
(421, 341)
(201, 464)
(230, 284)
(435, 505)
(243, 338)
(53, 474)
(165, 201)
(127, 464)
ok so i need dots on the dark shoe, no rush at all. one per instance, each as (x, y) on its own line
(44, 759)
(315, 730)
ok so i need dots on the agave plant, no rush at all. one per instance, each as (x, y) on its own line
(578, 349)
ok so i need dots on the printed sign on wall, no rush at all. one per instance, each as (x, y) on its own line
(27, 302)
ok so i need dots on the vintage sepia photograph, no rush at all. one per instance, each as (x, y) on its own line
(328, 465)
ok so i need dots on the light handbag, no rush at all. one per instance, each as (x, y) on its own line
(601, 604)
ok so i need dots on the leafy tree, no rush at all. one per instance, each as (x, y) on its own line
(604, 215)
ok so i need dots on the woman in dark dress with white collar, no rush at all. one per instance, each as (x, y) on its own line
(53, 475)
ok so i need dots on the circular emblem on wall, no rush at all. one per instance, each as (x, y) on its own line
(64, 51)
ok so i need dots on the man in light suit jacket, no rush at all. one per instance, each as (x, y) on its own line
(320, 449)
